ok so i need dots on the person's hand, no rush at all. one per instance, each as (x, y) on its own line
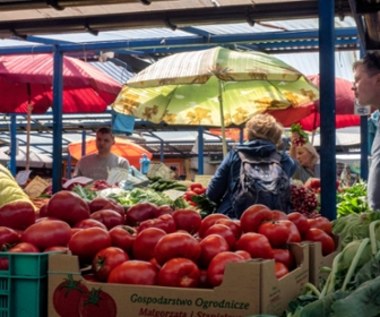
(298, 135)
(297, 139)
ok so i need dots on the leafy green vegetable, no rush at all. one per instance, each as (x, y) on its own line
(354, 226)
(137, 195)
(205, 205)
(364, 301)
(84, 192)
(352, 199)
(369, 271)
(322, 307)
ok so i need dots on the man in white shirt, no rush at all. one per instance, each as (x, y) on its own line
(96, 166)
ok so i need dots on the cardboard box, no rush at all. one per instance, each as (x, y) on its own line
(318, 261)
(248, 288)
(276, 294)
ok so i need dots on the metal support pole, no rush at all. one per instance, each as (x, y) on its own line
(13, 146)
(364, 147)
(327, 106)
(200, 151)
(57, 120)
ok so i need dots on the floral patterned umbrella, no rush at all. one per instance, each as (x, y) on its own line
(216, 87)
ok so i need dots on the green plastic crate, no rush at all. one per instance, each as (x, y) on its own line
(23, 286)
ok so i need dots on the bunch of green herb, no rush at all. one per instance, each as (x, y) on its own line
(352, 199)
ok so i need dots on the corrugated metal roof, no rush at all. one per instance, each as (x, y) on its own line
(307, 63)
(121, 74)
(226, 28)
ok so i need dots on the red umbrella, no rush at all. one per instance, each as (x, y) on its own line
(27, 79)
(344, 106)
(309, 117)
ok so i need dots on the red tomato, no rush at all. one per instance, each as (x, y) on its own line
(97, 303)
(199, 191)
(295, 235)
(60, 249)
(224, 231)
(177, 245)
(123, 237)
(179, 272)
(140, 212)
(164, 222)
(188, 196)
(68, 206)
(318, 235)
(253, 217)
(234, 225)
(187, 219)
(8, 237)
(208, 221)
(106, 260)
(163, 210)
(87, 242)
(300, 221)
(280, 269)
(17, 215)
(203, 281)
(89, 223)
(110, 218)
(99, 203)
(24, 247)
(155, 264)
(278, 215)
(256, 244)
(47, 233)
(215, 271)
(321, 223)
(75, 230)
(277, 233)
(284, 256)
(134, 272)
(244, 254)
(211, 245)
(66, 297)
(196, 185)
(145, 242)
(42, 212)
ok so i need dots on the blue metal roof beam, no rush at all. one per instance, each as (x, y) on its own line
(186, 42)
(26, 49)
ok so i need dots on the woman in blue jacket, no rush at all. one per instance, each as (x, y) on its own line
(264, 134)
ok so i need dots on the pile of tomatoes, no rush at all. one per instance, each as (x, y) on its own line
(195, 189)
(156, 245)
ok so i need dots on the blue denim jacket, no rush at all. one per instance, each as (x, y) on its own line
(226, 176)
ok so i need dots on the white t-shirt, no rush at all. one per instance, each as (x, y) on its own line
(95, 167)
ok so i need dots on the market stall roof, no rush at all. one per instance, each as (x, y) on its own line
(18, 18)
(27, 17)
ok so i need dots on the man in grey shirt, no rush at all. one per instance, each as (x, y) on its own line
(96, 166)
(367, 92)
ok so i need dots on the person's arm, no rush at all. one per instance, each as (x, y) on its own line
(219, 183)
(288, 164)
(123, 163)
(77, 171)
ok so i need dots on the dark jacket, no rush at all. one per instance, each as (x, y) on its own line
(226, 176)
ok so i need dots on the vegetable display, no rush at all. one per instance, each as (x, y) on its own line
(144, 237)
(353, 283)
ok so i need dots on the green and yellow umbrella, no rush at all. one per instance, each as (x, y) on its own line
(216, 87)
